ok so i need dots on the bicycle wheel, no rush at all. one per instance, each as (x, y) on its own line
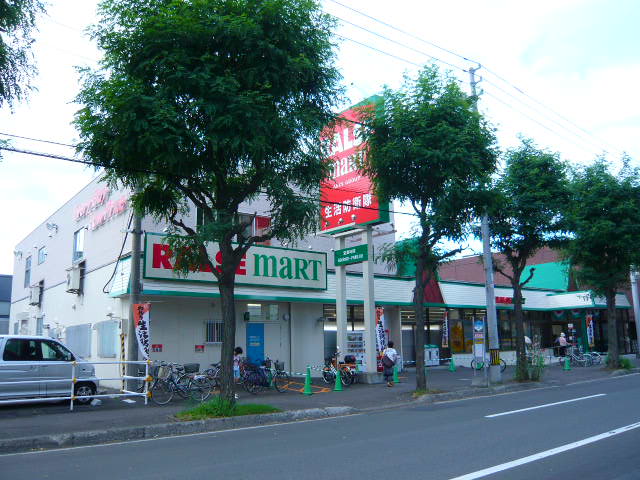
(503, 365)
(477, 365)
(252, 383)
(281, 381)
(200, 388)
(327, 375)
(183, 385)
(346, 377)
(161, 391)
(596, 357)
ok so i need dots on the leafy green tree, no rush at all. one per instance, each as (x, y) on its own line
(525, 216)
(604, 216)
(17, 22)
(426, 146)
(213, 103)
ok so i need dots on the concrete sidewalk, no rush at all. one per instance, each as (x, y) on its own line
(23, 425)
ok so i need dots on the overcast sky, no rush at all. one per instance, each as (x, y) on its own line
(571, 69)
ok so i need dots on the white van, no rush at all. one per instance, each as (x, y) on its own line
(24, 358)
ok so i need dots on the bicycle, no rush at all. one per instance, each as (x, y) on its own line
(255, 378)
(479, 365)
(329, 372)
(578, 359)
(172, 378)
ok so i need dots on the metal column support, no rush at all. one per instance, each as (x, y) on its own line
(341, 303)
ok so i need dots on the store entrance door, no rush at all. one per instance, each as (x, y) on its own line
(255, 342)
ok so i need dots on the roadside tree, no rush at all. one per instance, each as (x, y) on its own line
(525, 215)
(604, 216)
(17, 22)
(213, 103)
(425, 145)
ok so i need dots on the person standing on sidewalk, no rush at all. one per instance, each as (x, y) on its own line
(389, 357)
(562, 345)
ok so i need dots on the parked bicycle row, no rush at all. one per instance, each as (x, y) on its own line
(169, 380)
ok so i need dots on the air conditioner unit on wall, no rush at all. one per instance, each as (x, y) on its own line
(34, 295)
(73, 279)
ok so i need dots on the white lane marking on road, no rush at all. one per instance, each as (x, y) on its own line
(169, 437)
(544, 406)
(545, 454)
(601, 379)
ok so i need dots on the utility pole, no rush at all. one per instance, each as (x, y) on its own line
(495, 375)
(132, 341)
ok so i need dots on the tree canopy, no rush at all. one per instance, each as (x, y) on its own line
(525, 215)
(604, 216)
(213, 103)
(427, 146)
(17, 23)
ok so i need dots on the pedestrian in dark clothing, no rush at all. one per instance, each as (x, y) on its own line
(389, 357)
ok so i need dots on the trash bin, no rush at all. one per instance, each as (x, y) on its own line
(431, 355)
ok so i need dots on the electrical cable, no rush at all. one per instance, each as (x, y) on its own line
(37, 140)
(124, 242)
(404, 32)
(151, 172)
(400, 43)
(501, 78)
(540, 124)
(378, 50)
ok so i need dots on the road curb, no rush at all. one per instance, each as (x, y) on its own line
(98, 437)
(478, 392)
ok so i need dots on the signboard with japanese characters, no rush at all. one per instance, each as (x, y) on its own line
(347, 256)
(141, 321)
(347, 197)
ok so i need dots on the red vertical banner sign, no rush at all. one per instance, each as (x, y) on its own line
(347, 197)
(141, 319)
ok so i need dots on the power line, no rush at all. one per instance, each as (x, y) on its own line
(400, 43)
(404, 32)
(540, 124)
(570, 122)
(501, 78)
(151, 172)
(378, 50)
(37, 140)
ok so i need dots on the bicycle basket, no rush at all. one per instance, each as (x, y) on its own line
(191, 367)
(161, 371)
(267, 363)
(279, 366)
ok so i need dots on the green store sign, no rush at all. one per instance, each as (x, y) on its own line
(347, 256)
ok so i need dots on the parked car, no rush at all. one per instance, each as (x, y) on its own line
(24, 358)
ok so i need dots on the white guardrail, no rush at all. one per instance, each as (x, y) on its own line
(73, 380)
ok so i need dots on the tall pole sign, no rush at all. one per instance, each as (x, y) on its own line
(348, 204)
(347, 197)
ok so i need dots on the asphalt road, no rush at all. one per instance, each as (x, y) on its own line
(583, 437)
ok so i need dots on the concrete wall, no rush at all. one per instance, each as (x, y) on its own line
(307, 336)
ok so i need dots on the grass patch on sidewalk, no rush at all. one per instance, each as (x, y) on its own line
(429, 391)
(218, 408)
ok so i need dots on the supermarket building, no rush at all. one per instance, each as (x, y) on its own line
(70, 282)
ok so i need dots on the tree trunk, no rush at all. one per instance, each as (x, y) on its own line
(613, 358)
(418, 305)
(522, 372)
(227, 301)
